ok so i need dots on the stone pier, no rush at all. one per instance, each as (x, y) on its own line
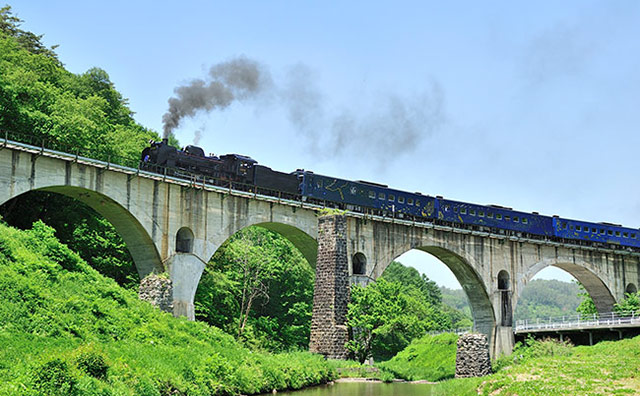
(331, 294)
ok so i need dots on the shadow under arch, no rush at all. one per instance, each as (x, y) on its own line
(484, 319)
(137, 240)
(597, 289)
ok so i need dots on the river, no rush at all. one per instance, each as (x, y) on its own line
(364, 389)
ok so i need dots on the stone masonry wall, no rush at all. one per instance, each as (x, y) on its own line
(158, 291)
(331, 293)
(472, 356)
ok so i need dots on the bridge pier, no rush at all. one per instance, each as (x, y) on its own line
(329, 332)
(185, 270)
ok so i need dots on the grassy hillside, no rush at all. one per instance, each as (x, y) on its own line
(431, 358)
(67, 330)
(554, 368)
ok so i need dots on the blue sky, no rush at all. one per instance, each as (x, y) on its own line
(531, 105)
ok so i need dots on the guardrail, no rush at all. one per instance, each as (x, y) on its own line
(460, 331)
(577, 322)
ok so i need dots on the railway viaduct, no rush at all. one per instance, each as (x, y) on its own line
(176, 226)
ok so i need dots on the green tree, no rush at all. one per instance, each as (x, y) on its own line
(587, 306)
(631, 303)
(385, 316)
(258, 287)
(409, 277)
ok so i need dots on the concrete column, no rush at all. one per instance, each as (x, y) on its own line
(185, 270)
(331, 293)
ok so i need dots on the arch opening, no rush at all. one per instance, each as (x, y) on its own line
(506, 312)
(459, 281)
(184, 240)
(359, 264)
(62, 204)
(503, 280)
(553, 290)
(259, 283)
(631, 289)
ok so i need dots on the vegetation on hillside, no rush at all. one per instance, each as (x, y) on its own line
(400, 306)
(67, 330)
(431, 358)
(259, 288)
(542, 299)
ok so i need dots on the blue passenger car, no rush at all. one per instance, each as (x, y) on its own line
(495, 217)
(596, 232)
(359, 195)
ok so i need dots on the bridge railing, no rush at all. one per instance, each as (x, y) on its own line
(196, 179)
(458, 331)
(579, 321)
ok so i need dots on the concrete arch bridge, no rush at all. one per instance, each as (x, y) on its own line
(175, 225)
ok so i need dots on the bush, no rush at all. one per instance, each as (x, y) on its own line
(92, 363)
(54, 378)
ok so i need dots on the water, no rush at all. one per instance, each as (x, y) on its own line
(364, 389)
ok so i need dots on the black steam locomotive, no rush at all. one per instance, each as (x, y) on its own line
(240, 170)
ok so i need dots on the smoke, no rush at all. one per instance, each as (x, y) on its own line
(237, 79)
(393, 125)
(197, 135)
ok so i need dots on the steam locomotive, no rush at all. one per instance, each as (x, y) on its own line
(242, 172)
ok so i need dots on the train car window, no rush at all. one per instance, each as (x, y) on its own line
(571, 227)
(617, 233)
(609, 232)
(593, 230)
(400, 199)
(602, 231)
(319, 183)
(624, 234)
(353, 190)
(472, 212)
(633, 236)
(410, 201)
(507, 218)
(392, 198)
(498, 216)
(463, 210)
(516, 220)
(490, 215)
(417, 202)
(372, 194)
(447, 207)
(381, 196)
(481, 213)
(525, 220)
(578, 228)
(455, 209)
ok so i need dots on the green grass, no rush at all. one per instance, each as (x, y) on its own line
(431, 358)
(554, 368)
(65, 329)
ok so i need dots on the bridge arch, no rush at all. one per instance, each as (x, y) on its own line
(463, 268)
(135, 236)
(593, 282)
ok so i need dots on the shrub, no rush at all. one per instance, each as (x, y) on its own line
(92, 363)
(54, 378)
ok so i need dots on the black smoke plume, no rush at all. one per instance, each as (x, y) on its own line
(237, 79)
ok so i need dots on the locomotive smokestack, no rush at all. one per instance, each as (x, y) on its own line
(237, 79)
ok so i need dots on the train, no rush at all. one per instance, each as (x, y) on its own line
(244, 173)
